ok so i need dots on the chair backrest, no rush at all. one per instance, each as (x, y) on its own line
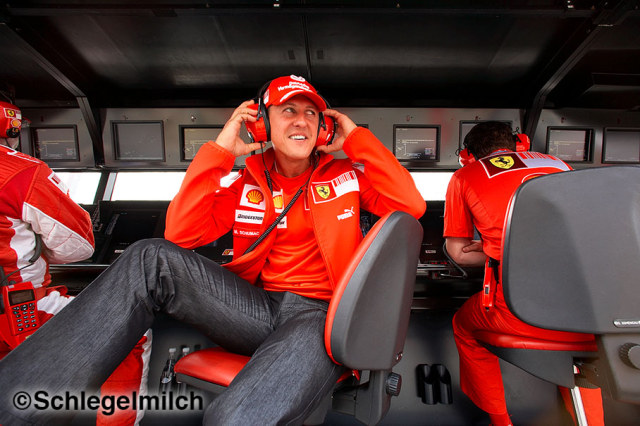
(571, 261)
(369, 312)
(571, 257)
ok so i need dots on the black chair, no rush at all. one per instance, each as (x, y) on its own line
(365, 330)
(571, 262)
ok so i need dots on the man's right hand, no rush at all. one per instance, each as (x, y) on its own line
(229, 137)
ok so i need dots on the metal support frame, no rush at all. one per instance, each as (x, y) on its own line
(83, 102)
(569, 55)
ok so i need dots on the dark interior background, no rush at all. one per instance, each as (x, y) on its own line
(110, 58)
(525, 54)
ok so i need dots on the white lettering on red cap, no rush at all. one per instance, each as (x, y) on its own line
(293, 86)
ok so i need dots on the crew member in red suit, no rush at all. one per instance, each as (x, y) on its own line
(271, 300)
(35, 203)
(478, 196)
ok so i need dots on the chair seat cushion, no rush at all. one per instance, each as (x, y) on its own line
(522, 342)
(214, 365)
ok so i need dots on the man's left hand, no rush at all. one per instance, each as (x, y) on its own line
(344, 126)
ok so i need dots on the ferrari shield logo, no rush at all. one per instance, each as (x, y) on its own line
(502, 162)
(324, 191)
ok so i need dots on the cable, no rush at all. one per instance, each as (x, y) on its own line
(284, 212)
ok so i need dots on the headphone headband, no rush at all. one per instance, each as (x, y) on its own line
(284, 88)
(523, 143)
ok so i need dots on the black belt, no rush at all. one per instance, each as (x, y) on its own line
(494, 264)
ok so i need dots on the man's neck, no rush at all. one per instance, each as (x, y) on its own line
(289, 169)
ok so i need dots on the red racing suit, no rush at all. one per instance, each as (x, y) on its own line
(479, 195)
(203, 211)
(33, 200)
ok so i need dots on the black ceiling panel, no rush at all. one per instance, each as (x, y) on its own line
(503, 54)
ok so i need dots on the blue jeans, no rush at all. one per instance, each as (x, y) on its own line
(289, 372)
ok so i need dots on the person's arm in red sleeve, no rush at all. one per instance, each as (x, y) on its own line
(388, 185)
(64, 226)
(458, 227)
(199, 213)
(202, 211)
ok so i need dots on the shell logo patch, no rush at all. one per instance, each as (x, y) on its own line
(278, 201)
(254, 196)
(323, 191)
(502, 162)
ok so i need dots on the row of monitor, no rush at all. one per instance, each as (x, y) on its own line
(412, 144)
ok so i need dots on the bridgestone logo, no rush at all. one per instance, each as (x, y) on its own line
(244, 216)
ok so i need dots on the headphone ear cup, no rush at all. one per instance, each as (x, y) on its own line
(326, 130)
(260, 130)
(6, 128)
(465, 157)
(523, 143)
(10, 120)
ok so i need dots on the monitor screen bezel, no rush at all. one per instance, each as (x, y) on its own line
(184, 127)
(408, 161)
(35, 145)
(588, 141)
(604, 143)
(116, 145)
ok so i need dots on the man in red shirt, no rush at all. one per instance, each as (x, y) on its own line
(478, 196)
(35, 204)
(270, 302)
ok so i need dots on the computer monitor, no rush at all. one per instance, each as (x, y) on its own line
(122, 223)
(193, 137)
(621, 145)
(138, 140)
(418, 143)
(570, 144)
(55, 143)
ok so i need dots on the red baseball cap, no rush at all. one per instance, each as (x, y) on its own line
(283, 88)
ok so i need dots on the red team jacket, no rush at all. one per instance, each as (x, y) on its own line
(203, 211)
(33, 199)
(479, 194)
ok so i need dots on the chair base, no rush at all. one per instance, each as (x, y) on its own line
(552, 366)
(548, 360)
